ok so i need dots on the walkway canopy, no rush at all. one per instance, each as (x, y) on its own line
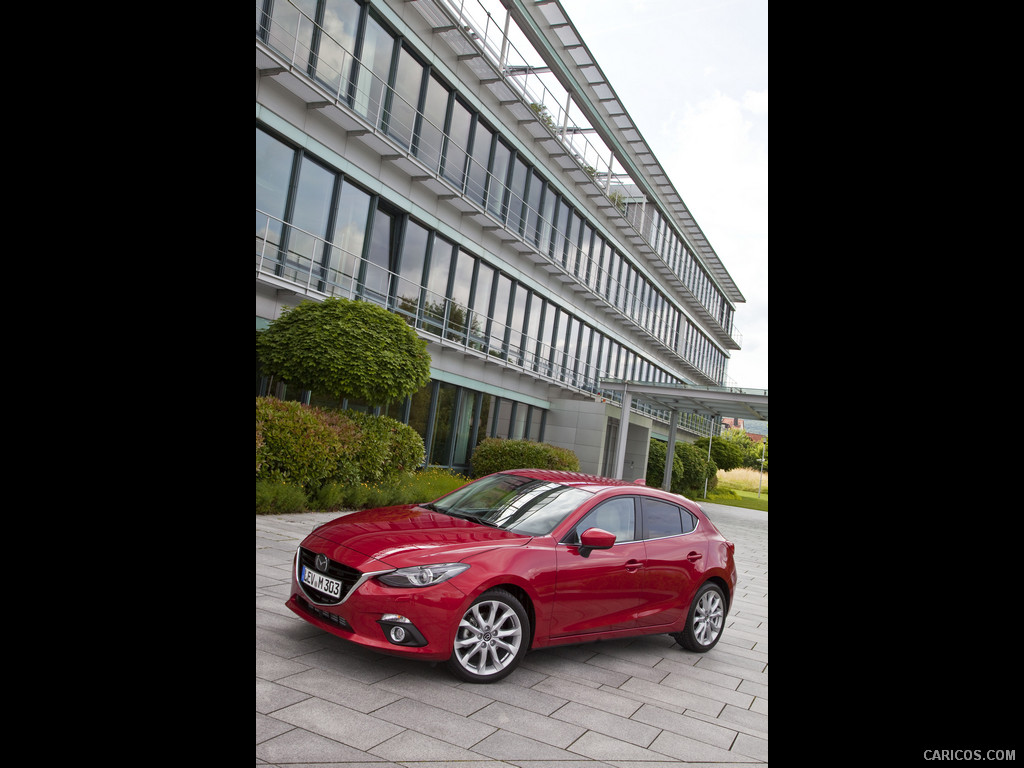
(728, 402)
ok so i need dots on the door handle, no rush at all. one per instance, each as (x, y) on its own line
(693, 557)
(633, 566)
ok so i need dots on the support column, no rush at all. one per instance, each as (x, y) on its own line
(620, 452)
(670, 454)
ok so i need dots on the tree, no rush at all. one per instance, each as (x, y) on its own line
(346, 349)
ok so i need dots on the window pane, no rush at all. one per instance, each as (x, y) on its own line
(337, 45)
(402, 112)
(496, 185)
(533, 208)
(378, 46)
(374, 283)
(444, 423)
(616, 516)
(520, 176)
(481, 306)
(462, 285)
(309, 221)
(349, 235)
(456, 144)
(499, 321)
(476, 184)
(273, 177)
(431, 125)
(437, 285)
(660, 519)
(414, 254)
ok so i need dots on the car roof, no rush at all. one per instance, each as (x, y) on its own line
(596, 483)
(573, 478)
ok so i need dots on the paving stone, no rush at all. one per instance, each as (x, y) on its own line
(530, 724)
(607, 724)
(341, 689)
(338, 723)
(299, 745)
(436, 723)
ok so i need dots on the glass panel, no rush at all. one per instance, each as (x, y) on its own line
(583, 265)
(481, 306)
(455, 146)
(462, 429)
(378, 47)
(431, 125)
(405, 100)
(273, 176)
(557, 246)
(444, 422)
(499, 174)
(437, 285)
(414, 255)
(337, 45)
(516, 324)
(476, 184)
(547, 219)
(419, 410)
(532, 331)
(290, 31)
(498, 333)
(374, 282)
(462, 285)
(309, 221)
(572, 243)
(533, 208)
(349, 235)
(517, 198)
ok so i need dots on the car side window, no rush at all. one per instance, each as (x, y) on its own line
(616, 516)
(661, 519)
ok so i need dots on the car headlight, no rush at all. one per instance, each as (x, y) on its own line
(422, 575)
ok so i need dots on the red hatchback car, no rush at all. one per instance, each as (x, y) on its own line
(513, 561)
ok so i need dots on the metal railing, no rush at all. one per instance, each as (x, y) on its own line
(320, 269)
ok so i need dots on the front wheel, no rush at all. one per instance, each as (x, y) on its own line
(492, 638)
(705, 621)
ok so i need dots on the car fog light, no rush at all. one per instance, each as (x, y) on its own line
(400, 631)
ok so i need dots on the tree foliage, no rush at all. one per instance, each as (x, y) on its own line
(345, 349)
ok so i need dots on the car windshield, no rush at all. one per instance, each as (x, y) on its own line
(514, 503)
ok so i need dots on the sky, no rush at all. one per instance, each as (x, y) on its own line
(693, 75)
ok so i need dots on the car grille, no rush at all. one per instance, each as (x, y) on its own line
(347, 576)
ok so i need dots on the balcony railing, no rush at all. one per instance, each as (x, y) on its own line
(311, 266)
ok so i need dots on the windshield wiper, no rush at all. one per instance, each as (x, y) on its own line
(467, 516)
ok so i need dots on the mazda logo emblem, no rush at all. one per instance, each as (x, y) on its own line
(321, 562)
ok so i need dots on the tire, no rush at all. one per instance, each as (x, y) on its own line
(491, 639)
(705, 620)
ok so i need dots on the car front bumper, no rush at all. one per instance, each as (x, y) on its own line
(426, 618)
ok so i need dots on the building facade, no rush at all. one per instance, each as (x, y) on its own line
(466, 165)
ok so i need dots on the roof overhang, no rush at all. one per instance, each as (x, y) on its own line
(728, 402)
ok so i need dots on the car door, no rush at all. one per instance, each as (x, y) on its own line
(600, 590)
(674, 556)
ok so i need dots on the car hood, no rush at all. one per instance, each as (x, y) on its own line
(413, 535)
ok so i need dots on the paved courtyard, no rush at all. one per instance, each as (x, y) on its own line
(640, 703)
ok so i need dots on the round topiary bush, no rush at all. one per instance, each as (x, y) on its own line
(497, 454)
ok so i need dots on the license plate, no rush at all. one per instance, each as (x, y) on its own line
(321, 583)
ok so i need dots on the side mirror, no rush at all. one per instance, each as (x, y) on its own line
(595, 538)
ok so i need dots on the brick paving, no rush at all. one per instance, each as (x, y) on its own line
(638, 703)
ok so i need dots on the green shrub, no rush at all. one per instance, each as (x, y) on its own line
(294, 445)
(497, 454)
(276, 498)
(690, 466)
(386, 447)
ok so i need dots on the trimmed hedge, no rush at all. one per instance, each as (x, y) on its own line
(497, 454)
(307, 447)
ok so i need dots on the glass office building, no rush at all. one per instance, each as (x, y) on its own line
(465, 164)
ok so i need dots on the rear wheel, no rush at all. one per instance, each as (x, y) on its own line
(491, 639)
(705, 621)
